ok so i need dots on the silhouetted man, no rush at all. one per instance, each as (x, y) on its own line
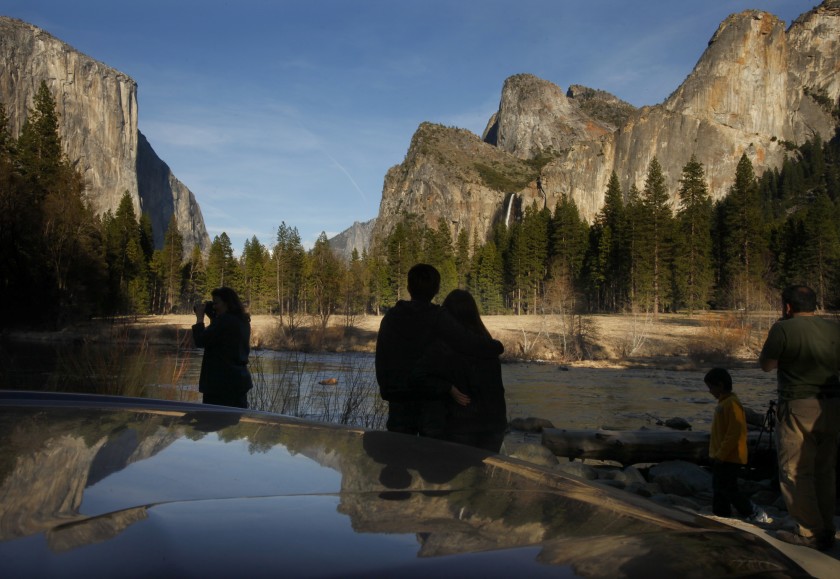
(805, 351)
(404, 333)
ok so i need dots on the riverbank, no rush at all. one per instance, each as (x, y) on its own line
(686, 487)
(666, 341)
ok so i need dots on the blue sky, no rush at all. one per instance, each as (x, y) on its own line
(292, 111)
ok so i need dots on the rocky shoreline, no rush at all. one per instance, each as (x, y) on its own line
(676, 484)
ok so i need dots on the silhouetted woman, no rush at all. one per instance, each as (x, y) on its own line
(475, 412)
(224, 378)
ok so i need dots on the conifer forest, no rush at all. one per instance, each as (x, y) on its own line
(643, 252)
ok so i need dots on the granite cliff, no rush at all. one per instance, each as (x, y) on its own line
(757, 90)
(97, 108)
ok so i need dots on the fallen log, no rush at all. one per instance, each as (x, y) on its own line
(634, 446)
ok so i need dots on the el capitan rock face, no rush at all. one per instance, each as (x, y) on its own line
(756, 89)
(97, 109)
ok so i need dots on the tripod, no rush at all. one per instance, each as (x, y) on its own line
(762, 463)
(768, 426)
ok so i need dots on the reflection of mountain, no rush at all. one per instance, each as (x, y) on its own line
(460, 500)
(460, 503)
(95, 530)
(241, 502)
(51, 469)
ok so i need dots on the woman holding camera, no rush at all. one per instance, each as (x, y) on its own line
(224, 378)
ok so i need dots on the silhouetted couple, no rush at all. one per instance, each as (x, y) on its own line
(438, 367)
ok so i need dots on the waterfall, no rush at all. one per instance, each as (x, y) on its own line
(509, 207)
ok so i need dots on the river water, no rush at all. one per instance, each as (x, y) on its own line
(570, 397)
(286, 382)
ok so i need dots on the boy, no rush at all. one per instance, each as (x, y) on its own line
(728, 450)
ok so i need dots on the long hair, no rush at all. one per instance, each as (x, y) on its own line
(232, 301)
(463, 308)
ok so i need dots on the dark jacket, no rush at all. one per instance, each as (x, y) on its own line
(226, 343)
(406, 331)
(478, 378)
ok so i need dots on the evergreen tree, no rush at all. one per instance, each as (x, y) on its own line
(636, 247)
(745, 240)
(39, 144)
(221, 264)
(196, 276)
(61, 264)
(596, 263)
(254, 265)
(608, 254)
(569, 233)
(147, 238)
(127, 264)
(811, 248)
(354, 289)
(568, 239)
(19, 225)
(693, 261)
(439, 253)
(657, 231)
(289, 257)
(462, 257)
(527, 257)
(615, 219)
(324, 280)
(169, 271)
(486, 284)
(402, 251)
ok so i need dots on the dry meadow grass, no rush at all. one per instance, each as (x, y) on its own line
(679, 341)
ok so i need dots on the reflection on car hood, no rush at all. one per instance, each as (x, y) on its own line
(115, 486)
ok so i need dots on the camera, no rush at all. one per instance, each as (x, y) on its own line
(209, 309)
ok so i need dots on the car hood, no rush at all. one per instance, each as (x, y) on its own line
(107, 486)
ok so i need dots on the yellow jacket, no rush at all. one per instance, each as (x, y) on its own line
(729, 431)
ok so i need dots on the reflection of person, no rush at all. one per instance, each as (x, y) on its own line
(224, 378)
(482, 420)
(728, 450)
(404, 333)
(804, 349)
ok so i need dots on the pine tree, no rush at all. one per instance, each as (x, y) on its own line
(527, 258)
(821, 244)
(693, 262)
(596, 263)
(289, 257)
(607, 255)
(439, 253)
(354, 289)
(568, 239)
(254, 265)
(196, 276)
(324, 280)
(169, 271)
(221, 264)
(745, 240)
(62, 265)
(19, 224)
(657, 229)
(39, 144)
(402, 251)
(462, 257)
(569, 234)
(127, 265)
(487, 279)
(637, 275)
